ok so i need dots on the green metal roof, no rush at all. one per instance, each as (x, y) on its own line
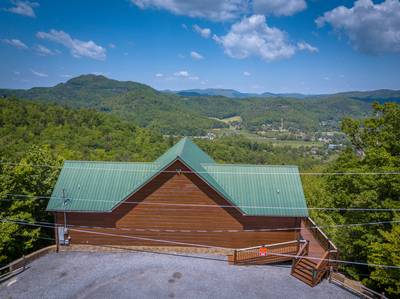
(255, 189)
(97, 186)
(261, 189)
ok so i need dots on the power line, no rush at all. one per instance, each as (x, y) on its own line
(238, 231)
(203, 231)
(210, 246)
(39, 197)
(203, 172)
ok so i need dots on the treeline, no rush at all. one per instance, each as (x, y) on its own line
(373, 162)
(80, 134)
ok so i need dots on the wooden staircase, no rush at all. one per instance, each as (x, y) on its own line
(312, 257)
(304, 271)
(314, 260)
(309, 271)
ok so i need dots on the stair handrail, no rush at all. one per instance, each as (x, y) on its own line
(321, 267)
(323, 260)
(303, 251)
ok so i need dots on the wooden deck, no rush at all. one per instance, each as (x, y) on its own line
(315, 248)
(311, 257)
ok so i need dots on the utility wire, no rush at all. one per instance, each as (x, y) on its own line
(42, 197)
(238, 231)
(208, 246)
(202, 172)
(202, 231)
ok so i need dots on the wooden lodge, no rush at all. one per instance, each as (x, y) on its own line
(185, 198)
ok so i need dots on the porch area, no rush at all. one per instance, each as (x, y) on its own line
(312, 255)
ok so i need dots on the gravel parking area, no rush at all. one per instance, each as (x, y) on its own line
(151, 275)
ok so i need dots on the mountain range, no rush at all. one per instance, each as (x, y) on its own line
(374, 95)
(194, 112)
(231, 93)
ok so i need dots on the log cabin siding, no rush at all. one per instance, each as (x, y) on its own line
(187, 222)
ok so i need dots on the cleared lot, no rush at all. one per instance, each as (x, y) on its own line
(148, 275)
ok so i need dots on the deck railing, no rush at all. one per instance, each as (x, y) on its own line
(265, 254)
(354, 286)
(319, 235)
(332, 252)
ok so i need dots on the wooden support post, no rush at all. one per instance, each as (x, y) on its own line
(57, 239)
(330, 273)
(314, 276)
(234, 257)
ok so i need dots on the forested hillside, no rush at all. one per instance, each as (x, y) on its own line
(37, 137)
(194, 114)
(135, 102)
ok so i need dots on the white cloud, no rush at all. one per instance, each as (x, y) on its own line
(77, 47)
(196, 55)
(371, 28)
(15, 43)
(204, 32)
(17, 73)
(112, 46)
(183, 74)
(303, 46)
(159, 75)
(24, 8)
(43, 51)
(253, 37)
(216, 10)
(246, 73)
(278, 7)
(65, 76)
(39, 74)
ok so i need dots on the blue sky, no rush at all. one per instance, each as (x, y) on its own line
(314, 46)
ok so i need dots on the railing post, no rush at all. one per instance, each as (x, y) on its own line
(234, 256)
(314, 276)
(293, 264)
(57, 238)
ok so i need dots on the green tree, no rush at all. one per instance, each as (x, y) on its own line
(387, 253)
(375, 151)
(25, 178)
